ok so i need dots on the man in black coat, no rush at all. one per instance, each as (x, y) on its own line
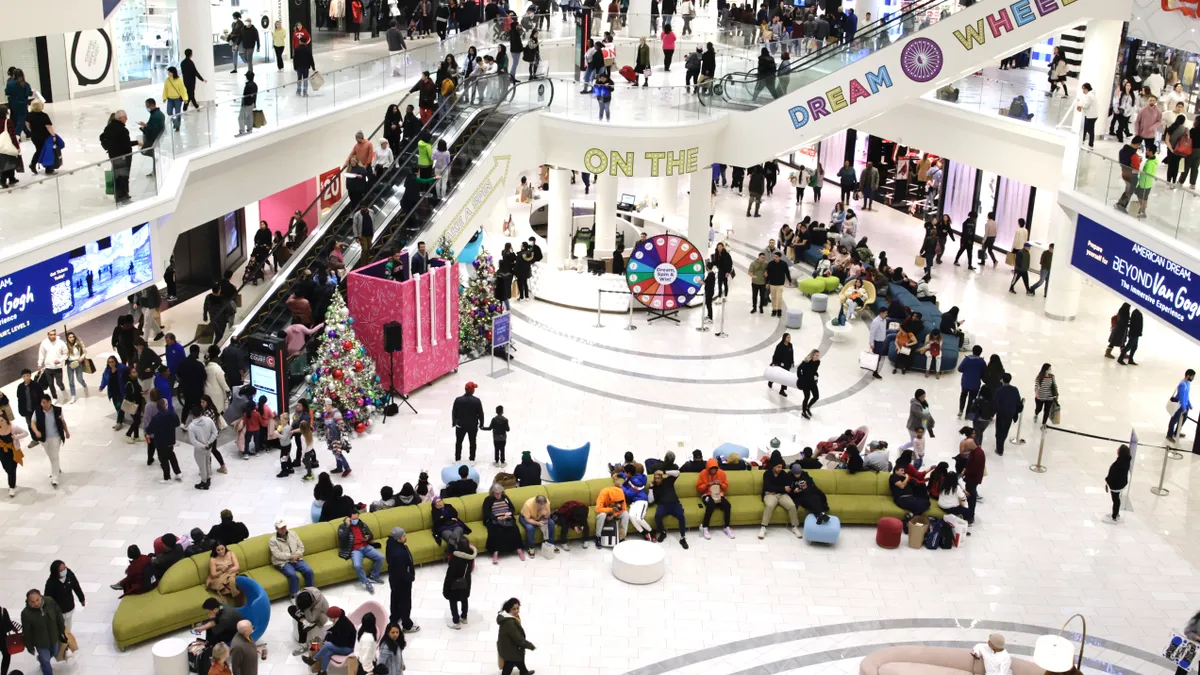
(228, 531)
(467, 417)
(1007, 402)
(420, 260)
(29, 397)
(116, 142)
(192, 377)
(778, 274)
(189, 73)
(161, 432)
(695, 464)
(148, 363)
(401, 575)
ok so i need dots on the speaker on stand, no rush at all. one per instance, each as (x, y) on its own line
(393, 341)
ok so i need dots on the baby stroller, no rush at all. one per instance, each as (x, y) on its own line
(256, 266)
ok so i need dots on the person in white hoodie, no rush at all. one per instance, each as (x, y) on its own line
(1085, 104)
(52, 358)
(202, 434)
(366, 650)
(383, 157)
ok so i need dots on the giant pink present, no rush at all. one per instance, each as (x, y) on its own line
(427, 308)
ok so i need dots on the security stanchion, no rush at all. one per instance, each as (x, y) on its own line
(702, 328)
(1162, 477)
(631, 326)
(599, 300)
(721, 333)
(1016, 439)
(1038, 468)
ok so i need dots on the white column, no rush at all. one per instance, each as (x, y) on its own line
(195, 33)
(1066, 283)
(668, 196)
(1043, 208)
(606, 216)
(639, 18)
(699, 207)
(558, 227)
(1100, 47)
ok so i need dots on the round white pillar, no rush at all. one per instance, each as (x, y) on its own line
(639, 18)
(699, 207)
(1066, 283)
(606, 216)
(196, 34)
(558, 226)
(1102, 42)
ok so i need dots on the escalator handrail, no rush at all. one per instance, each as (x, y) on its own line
(392, 243)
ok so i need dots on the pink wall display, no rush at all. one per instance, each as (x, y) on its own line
(277, 209)
(426, 307)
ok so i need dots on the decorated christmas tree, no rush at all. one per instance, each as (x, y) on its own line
(477, 306)
(445, 248)
(343, 373)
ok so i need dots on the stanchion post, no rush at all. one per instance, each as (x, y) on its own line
(1038, 468)
(721, 333)
(1162, 477)
(1017, 440)
(631, 326)
(702, 328)
(599, 301)
(1174, 454)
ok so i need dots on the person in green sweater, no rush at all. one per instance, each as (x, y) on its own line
(1146, 179)
(152, 128)
(758, 284)
(511, 644)
(425, 157)
(44, 629)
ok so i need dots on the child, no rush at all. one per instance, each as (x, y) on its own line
(917, 445)
(285, 431)
(333, 436)
(310, 455)
(499, 428)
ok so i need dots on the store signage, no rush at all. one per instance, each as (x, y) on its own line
(331, 188)
(37, 297)
(501, 329)
(654, 163)
(1155, 282)
(921, 59)
(496, 179)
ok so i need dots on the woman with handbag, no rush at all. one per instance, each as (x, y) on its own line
(64, 588)
(41, 129)
(134, 405)
(76, 361)
(10, 151)
(10, 457)
(457, 586)
(113, 380)
(1045, 393)
(13, 641)
(511, 644)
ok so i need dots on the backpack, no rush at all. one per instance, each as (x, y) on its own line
(934, 535)
(946, 536)
(693, 63)
(1184, 147)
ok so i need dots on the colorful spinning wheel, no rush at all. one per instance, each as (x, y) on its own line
(665, 272)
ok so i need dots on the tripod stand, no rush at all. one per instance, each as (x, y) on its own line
(392, 394)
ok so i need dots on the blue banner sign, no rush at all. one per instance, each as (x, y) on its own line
(501, 330)
(37, 297)
(1145, 276)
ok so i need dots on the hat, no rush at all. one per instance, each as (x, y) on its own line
(334, 612)
(526, 455)
(280, 523)
(397, 533)
(996, 640)
(775, 443)
(471, 386)
(1027, 244)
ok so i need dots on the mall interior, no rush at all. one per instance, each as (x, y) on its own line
(961, 221)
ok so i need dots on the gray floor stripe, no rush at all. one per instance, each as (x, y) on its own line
(709, 653)
(632, 373)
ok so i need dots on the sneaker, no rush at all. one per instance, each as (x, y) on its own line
(299, 650)
(37, 443)
(521, 553)
(567, 547)
(455, 626)
(117, 427)
(796, 531)
(598, 542)
(464, 619)
(683, 542)
(116, 587)
(73, 399)
(178, 478)
(662, 535)
(165, 481)
(345, 473)
(308, 659)
(762, 532)
(585, 544)
(370, 588)
(729, 532)
(496, 558)
(223, 469)
(415, 628)
(12, 492)
(704, 533)
(128, 439)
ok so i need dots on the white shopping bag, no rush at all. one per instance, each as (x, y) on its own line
(868, 360)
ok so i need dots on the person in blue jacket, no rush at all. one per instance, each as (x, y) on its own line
(972, 368)
(638, 499)
(175, 354)
(112, 381)
(1182, 397)
(162, 382)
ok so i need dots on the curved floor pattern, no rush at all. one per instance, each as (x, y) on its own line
(830, 656)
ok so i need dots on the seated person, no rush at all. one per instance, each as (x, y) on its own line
(223, 569)
(528, 472)
(948, 93)
(534, 516)
(800, 240)
(500, 519)
(387, 499)
(407, 497)
(996, 661)
(824, 267)
(775, 458)
(951, 325)
(905, 461)
(200, 543)
(666, 500)
(623, 466)
(807, 461)
(310, 613)
(856, 299)
(138, 574)
(610, 505)
(228, 531)
(222, 622)
(925, 293)
(339, 640)
(776, 492)
(876, 458)
(897, 312)
(905, 343)
(734, 462)
(900, 278)
(906, 495)
(172, 553)
(338, 507)
(1019, 109)
(854, 461)
(571, 515)
(711, 485)
(807, 495)
(818, 235)
(447, 527)
(354, 543)
(637, 497)
(950, 494)
(463, 486)
(695, 464)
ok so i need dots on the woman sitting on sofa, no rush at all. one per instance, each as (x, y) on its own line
(223, 568)
(951, 496)
(501, 520)
(906, 494)
(447, 527)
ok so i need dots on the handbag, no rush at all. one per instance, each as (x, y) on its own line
(868, 360)
(89, 366)
(316, 81)
(110, 183)
(1011, 259)
(14, 643)
(919, 261)
(260, 119)
(6, 144)
(1055, 413)
(129, 407)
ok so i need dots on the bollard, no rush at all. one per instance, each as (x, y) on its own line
(1162, 476)
(1038, 468)
(1016, 439)
(631, 326)
(599, 299)
(1174, 454)
(721, 333)
(702, 328)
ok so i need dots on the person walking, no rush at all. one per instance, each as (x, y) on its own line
(44, 629)
(48, 427)
(10, 451)
(52, 358)
(189, 72)
(456, 588)
(1085, 104)
(1117, 480)
(202, 434)
(868, 184)
(161, 432)
(758, 184)
(402, 572)
(249, 100)
(784, 357)
(967, 242)
(758, 284)
(1132, 336)
(19, 95)
(1118, 331)
(7, 627)
(63, 587)
(1044, 272)
(722, 262)
(76, 355)
(511, 644)
(1008, 406)
(988, 248)
(175, 95)
(972, 368)
(466, 415)
(303, 64)
(806, 380)
(1145, 180)
(1045, 395)
(778, 274)
(1181, 401)
(247, 45)
(1021, 270)
(1130, 159)
(279, 40)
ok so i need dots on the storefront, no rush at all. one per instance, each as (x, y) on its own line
(1139, 59)
(145, 36)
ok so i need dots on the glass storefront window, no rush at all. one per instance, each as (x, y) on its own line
(146, 37)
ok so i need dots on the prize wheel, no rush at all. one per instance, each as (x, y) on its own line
(665, 272)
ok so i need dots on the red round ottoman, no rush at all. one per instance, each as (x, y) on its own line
(888, 531)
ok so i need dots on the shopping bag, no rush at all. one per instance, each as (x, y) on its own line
(1181, 651)
(959, 525)
(919, 261)
(1055, 414)
(316, 81)
(260, 120)
(89, 366)
(868, 360)
(14, 643)
(129, 407)
(1011, 259)
(917, 527)
(110, 183)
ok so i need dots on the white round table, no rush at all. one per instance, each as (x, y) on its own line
(838, 333)
(637, 561)
(170, 657)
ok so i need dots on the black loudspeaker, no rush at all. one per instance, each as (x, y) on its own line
(392, 341)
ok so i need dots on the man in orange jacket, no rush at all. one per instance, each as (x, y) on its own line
(712, 484)
(611, 504)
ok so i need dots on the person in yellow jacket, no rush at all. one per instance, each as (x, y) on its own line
(279, 38)
(174, 95)
(610, 503)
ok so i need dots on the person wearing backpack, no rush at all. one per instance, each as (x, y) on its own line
(691, 66)
(1174, 138)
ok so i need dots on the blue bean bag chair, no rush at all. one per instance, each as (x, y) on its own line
(314, 512)
(726, 449)
(567, 464)
(450, 473)
(257, 609)
(822, 534)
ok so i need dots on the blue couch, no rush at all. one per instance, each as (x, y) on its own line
(931, 319)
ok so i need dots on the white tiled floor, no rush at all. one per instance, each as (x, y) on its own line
(1040, 551)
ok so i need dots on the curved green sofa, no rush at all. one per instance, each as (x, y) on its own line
(863, 498)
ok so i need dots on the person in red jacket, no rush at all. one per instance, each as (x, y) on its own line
(972, 473)
(135, 581)
(712, 485)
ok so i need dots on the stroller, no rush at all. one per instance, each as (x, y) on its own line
(256, 266)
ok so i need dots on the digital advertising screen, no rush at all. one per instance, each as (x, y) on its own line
(1152, 280)
(267, 369)
(37, 297)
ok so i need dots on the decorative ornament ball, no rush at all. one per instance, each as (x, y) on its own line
(349, 414)
(316, 378)
(358, 366)
(439, 250)
(334, 354)
(362, 351)
(350, 321)
(360, 427)
(370, 410)
(377, 379)
(347, 345)
(332, 333)
(476, 264)
(362, 402)
(338, 374)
